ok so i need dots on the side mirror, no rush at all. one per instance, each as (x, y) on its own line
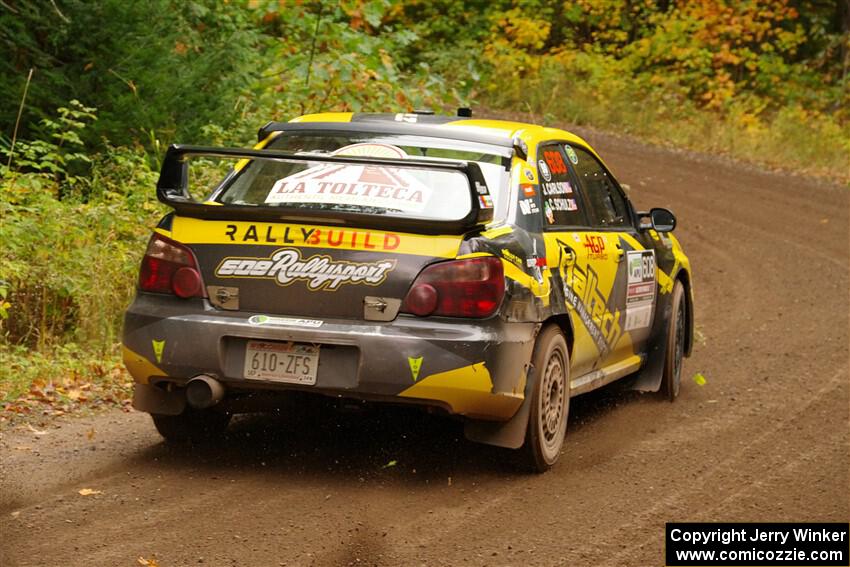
(660, 220)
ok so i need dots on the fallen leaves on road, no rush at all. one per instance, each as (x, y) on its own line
(390, 464)
(96, 385)
(88, 491)
(148, 562)
(700, 379)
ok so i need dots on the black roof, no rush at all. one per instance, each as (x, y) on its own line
(426, 125)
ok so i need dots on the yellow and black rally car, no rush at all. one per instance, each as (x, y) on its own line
(487, 268)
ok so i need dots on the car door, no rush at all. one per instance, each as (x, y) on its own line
(581, 260)
(626, 266)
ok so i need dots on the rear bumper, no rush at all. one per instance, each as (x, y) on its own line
(471, 368)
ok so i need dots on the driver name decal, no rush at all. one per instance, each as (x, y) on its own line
(583, 294)
(320, 272)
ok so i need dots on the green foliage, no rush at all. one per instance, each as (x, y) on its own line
(62, 156)
(4, 305)
(69, 263)
(159, 65)
(715, 53)
(339, 58)
(764, 81)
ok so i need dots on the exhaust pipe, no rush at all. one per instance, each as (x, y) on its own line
(204, 391)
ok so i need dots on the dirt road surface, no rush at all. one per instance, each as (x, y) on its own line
(765, 439)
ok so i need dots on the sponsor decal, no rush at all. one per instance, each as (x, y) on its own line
(544, 170)
(528, 190)
(535, 264)
(571, 153)
(485, 201)
(529, 175)
(595, 247)
(320, 272)
(557, 188)
(550, 216)
(285, 321)
(404, 117)
(511, 257)
(555, 162)
(640, 293)
(346, 184)
(528, 207)
(158, 347)
(415, 366)
(330, 238)
(583, 294)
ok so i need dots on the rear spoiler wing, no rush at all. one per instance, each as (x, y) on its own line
(173, 190)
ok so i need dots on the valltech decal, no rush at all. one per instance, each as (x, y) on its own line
(582, 293)
(640, 295)
(321, 272)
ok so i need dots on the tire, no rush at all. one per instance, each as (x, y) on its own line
(671, 380)
(191, 426)
(550, 401)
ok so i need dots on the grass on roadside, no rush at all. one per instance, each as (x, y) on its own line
(790, 138)
(36, 385)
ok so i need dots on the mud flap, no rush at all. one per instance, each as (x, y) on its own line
(151, 399)
(649, 377)
(509, 434)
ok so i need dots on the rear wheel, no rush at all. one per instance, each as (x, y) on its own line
(191, 426)
(672, 378)
(550, 402)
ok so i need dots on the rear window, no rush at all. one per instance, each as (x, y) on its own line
(415, 191)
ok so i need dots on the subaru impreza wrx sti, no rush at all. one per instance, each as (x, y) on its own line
(488, 269)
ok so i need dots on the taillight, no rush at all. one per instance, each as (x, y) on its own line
(473, 287)
(170, 267)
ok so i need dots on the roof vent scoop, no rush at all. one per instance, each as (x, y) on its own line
(424, 112)
(464, 112)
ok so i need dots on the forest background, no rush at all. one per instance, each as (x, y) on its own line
(93, 92)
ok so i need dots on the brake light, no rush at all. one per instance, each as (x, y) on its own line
(473, 287)
(170, 267)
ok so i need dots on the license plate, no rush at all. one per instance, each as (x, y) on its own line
(282, 362)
